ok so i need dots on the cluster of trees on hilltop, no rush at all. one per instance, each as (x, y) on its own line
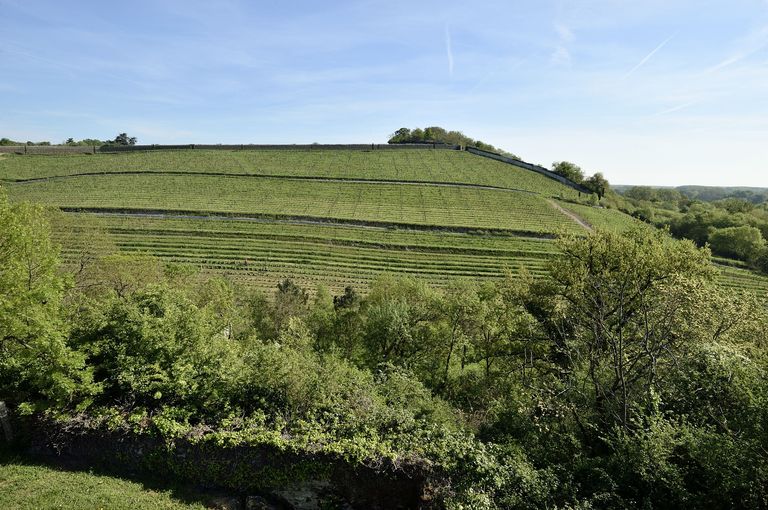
(436, 134)
(8, 142)
(626, 378)
(597, 183)
(121, 139)
(733, 227)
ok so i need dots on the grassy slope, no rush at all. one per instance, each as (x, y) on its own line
(33, 487)
(398, 165)
(412, 204)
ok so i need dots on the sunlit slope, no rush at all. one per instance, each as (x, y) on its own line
(402, 204)
(260, 254)
(447, 166)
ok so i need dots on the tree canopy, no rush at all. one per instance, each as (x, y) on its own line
(436, 134)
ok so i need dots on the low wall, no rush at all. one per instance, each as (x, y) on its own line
(277, 147)
(48, 149)
(80, 149)
(528, 166)
(242, 470)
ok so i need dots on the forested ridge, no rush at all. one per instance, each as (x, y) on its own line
(624, 379)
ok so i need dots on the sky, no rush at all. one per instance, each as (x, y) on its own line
(660, 92)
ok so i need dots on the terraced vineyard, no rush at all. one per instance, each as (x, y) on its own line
(331, 217)
(743, 279)
(260, 254)
(446, 166)
(442, 206)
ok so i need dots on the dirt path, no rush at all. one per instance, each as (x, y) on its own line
(571, 215)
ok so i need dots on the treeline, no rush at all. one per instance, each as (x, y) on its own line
(733, 227)
(120, 139)
(436, 134)
(625, 379)
(712, 193)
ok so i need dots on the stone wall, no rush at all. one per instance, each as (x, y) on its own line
(287, 479)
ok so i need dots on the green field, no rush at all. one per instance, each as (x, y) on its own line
(260, 216)
(394, 165)
(33, 487)
(439, 206)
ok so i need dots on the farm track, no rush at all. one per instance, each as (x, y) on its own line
(349, 180)
(571, 215)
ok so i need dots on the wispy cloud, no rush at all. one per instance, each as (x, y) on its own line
(448, 49)
(561, 53)
(648, 56)
(753, 43)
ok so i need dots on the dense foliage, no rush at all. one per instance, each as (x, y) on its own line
(626, 378)
(436, 134)
(735, 228)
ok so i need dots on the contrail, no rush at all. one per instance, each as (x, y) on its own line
(648, 56)
(676, 108)
(448, 50)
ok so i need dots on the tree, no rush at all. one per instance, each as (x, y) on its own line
(634, 303)
(124, 139)
(597, 184)
(569, 171)
(290, 301)
(399, 315)
(743, 243)
(36, 364)
(402, 135)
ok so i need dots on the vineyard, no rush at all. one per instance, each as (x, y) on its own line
(439, 206)
(327, 218)
(434, 166)
(260, 254)
(597, 217)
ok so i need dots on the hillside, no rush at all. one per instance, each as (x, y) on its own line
(321, 217)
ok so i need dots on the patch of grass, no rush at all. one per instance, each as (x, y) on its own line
(34, 487)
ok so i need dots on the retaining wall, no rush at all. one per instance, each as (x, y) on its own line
(67, 149)
(240, 470)
(48, 149)
(528, 166)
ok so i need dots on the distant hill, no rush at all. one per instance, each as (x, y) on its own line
(709, 193)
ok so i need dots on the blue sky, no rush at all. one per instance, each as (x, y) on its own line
(648, 92)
